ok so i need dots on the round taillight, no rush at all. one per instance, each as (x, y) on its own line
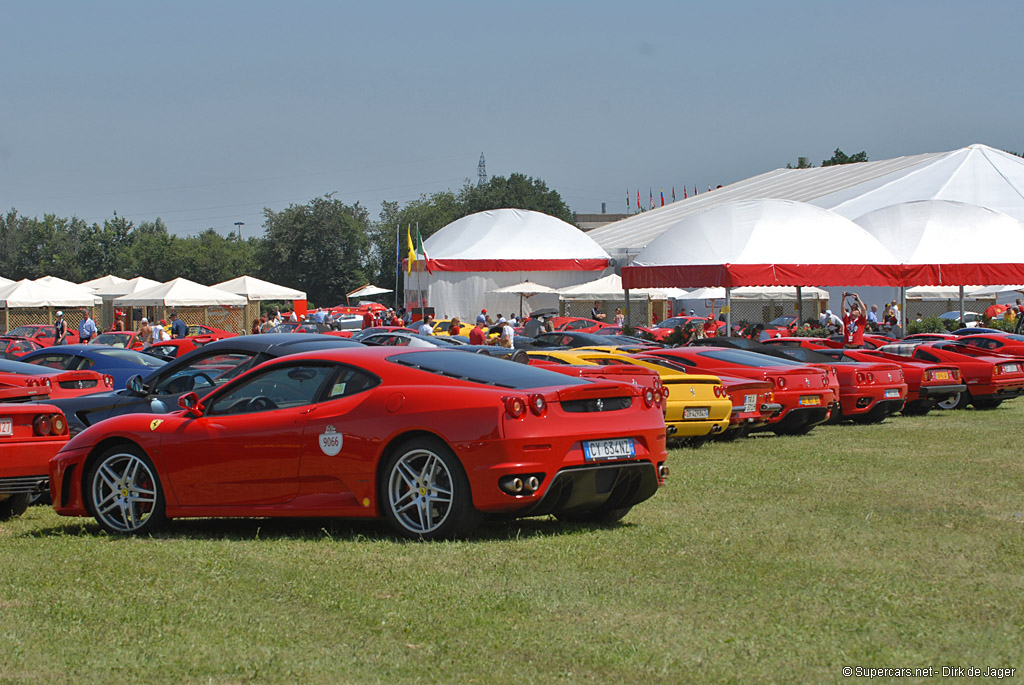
(515, 407)
(664, 392)
(871, 377)
(860, 377)
(108, 380)
(58, 425)
(32, 382)
(537, 404)
(648, 398)
(781, 382)
(42, 424)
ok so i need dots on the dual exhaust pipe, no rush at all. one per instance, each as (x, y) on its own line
(519, 485)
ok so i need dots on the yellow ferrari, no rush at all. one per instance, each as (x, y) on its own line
(441, 327)
(696, 405)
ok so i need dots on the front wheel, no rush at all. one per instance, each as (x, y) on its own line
(123, 491)
(958, 401)
(13, 506)
(425, 493)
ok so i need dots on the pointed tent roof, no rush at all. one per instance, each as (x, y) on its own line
(102, 281)
(941, 242)
(256, 289)
(130, 286)
(26, 293)
(762, 242)
(69, 287)
(180, 292)
(5, 281)
(976, 174)
(610, 288)
(513, 240)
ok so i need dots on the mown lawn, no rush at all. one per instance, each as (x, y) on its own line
(766, 559)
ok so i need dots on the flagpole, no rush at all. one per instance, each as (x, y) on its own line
(419, 277)
(398, 261)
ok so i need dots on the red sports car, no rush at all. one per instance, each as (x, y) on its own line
(990, 378)
(999, 343)
(217, 333)
(43, 334)
(665, 328)
(927, 383)
(803, 391)
(575, 323)
(30, 435)
(59, 384)
(18, 347)
(431, 440)
(127, 339)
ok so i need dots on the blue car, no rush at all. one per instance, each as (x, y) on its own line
(118, 362)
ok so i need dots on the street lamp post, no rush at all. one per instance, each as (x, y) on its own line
(239, 224)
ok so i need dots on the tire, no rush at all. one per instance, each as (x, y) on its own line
(957, 401)
(424, 492)
(13, 506)
(123, 492)
(599, 516)
(987, 404)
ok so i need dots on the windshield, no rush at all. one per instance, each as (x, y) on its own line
(24, 331)
(745, 358)
(112, 339)
(782, 321)
(23, 368)
(131, 356)
(483, 369)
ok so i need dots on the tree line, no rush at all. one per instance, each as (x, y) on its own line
(324, 247)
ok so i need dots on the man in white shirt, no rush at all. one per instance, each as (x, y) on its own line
(427, 327)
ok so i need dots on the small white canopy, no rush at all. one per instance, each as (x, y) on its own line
(610, 288)
(69, 286)
(765, 292)
(526, 289)
(935, 293)
(180, 292)
(941, 242)
(133, 285)
(368, 290)
(256, 289)
(30, 294)
(102, 281)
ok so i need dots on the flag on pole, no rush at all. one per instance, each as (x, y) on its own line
(652, 197)
(421, 250)
(709, 187)
(637, 199)
(662, 194)
(695, 190)
(411, 257)
(684, 192)
(627, 202)
(673, 193)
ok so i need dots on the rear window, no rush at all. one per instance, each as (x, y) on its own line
(745, 358)
(132, 356)
(483, 369)
(24, 368)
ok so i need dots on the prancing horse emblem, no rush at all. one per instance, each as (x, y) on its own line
(692, 392)
(600, 405)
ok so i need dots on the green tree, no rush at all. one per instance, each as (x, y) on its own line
(322, 247)
(210, 258)
(840, 157)
(517, 192)
(801, 163)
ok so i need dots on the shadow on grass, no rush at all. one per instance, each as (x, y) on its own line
(342, 530)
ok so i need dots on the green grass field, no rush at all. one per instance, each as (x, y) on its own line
(765, 559)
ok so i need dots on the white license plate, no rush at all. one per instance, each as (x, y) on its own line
(695, 412)
(1010, 368)
(892, 392)
(749, 403)
(6, 426)
(810, 400)
(600, 450)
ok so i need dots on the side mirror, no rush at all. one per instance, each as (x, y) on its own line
(135, 386)
(191, 404)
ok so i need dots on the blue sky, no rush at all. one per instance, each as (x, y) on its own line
(204, 113)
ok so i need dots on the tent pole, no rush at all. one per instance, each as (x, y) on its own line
(627, 320)
(962, 304)
(728, 312)
(398, 259)
(903, 312)
(799, 305)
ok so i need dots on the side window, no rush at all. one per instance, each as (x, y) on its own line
(204, 373)
(282, 387)
(80, 363)
(351, 381)
(52, 361)
(927, 356)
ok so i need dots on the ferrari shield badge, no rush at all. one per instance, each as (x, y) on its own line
(155, 423)
(330, 441)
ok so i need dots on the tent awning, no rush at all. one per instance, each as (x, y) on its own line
(256, 289)
(180, 292)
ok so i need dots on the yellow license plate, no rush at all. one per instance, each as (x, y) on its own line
(810, 400)
(942, 375)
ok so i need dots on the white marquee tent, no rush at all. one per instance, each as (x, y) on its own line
(102, 281)
(180, 292)
(256, 289)
(477, 254)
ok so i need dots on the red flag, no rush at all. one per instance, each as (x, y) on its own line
(684, 192)
(662, 194)
(652, 197)
(638, 199)
(695, 190)
(673, 193)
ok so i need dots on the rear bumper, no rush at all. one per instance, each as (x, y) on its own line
(863, 400)
(585, 488)
(940, 392)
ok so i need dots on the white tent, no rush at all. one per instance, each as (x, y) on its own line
(929, 293)
(368, 290)
(940, 242)
(5, 281)
(470, 258)
(762, 242)
(256, 289)
(69, 287)
(753, 293)
(133, 285)
(97, 283)
(31, 294)
(180, 292)
(610, 288)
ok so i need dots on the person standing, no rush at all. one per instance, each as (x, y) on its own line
(873, 314)
(596, 314)
(178, 327)
(60, 330)
(477, 335)
(854, 322)
(508, 336)
(159, 332)
(427, 327)
(145, 333)
(1020, 316)
(619, 317)
(710, 327)
(455, 327)
(87, 328)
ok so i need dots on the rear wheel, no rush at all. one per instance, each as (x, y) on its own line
(425, 493)
(957, 401)
(15, 505)
(123, 491)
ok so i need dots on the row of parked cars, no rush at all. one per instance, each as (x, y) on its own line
(434, 434)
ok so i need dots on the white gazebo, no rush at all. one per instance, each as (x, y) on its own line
(34, 302)
(255, 290)
(194, 303)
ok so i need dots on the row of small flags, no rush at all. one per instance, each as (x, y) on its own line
(661, 194)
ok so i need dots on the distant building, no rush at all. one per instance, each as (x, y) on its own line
(589, 221)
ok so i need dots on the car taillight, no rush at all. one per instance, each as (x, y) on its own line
(780, 382)
(996, 370)
(956, 374)
(648, 398)
(720, 391)
(537, 404)
(58, 425)
(42, 425)
(664, 391)
(515, 407)
(824, 381)
(861, 377)
(927, 375)
(108, 380)
(32, 382)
